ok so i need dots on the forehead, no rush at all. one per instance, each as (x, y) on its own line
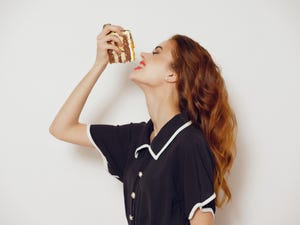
(165, 50)
(166, 45)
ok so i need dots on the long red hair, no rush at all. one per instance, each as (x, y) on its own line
(202, 92)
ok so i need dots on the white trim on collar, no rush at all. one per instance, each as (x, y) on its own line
(156, 156)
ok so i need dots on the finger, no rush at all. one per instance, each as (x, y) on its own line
(114, 38)
(112, 26)
(108, 28)
(103, 44)
(105, 25)
(108, 46)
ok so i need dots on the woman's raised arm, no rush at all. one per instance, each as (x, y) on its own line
(65, 125)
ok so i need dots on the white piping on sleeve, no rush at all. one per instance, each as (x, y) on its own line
(88, 131)
(200, 206)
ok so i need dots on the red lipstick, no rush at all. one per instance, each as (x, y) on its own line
(137, 68)
(140, 66)
(143, 63)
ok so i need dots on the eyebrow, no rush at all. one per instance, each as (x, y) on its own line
(158, 47)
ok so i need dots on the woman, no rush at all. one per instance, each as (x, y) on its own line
(174, 166)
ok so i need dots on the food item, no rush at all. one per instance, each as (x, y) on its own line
(127, 49)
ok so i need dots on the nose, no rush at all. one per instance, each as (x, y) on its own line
(145, 54)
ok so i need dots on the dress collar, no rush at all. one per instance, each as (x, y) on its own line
(164, 137)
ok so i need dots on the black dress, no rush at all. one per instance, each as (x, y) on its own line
(164, 181)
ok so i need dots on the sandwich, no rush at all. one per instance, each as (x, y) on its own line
(127, 49)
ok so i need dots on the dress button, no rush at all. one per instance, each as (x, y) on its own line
(140, 174)
(130, 217)
(132, 195)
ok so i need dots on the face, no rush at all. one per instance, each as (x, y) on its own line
(155, 68)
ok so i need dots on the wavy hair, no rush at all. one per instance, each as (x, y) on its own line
(202, 92)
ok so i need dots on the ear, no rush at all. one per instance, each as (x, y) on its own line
(172, 78)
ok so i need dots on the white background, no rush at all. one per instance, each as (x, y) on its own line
(46, 47)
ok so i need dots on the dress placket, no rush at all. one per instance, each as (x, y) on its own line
(134, 194)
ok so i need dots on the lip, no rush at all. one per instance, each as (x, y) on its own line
(138, 68)
(141, 65)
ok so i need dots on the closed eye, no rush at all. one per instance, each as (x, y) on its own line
(157, 47)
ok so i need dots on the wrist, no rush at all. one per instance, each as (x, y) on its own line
(99, 65)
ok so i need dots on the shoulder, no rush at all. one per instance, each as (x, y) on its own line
(121, 132)
(193, 143)
(192, 137)
(132, 127)
(135, 125)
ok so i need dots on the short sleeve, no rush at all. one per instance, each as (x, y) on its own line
(197, 177)
(113, 143)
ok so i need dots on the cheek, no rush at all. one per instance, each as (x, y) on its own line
(154, 75)
(156, 71)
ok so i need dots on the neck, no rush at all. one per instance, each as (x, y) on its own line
(162, 106)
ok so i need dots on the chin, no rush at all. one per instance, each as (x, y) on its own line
(135, 76)
(132, 75)
(136, 80)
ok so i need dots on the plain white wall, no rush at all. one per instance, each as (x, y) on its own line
(46, 47)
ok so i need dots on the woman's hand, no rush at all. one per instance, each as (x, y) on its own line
(104, 43)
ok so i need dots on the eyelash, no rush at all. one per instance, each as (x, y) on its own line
(154, 52)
